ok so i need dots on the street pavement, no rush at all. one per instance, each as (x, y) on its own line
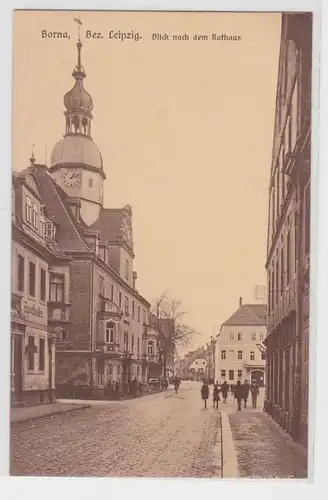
(161, 435)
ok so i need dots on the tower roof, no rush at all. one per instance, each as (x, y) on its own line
(78, 99)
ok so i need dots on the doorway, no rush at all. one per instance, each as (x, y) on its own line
(18, 366)
(258, 377)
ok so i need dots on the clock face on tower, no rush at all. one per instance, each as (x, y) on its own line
(72, 177)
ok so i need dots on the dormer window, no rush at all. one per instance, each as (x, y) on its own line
(35, 215)
(28, 209)
(49, 230)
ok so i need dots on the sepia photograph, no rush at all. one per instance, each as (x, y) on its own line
(160, 244)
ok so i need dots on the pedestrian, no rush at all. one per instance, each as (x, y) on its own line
(246, 388)
(216, 395)
(224, 391)
(239, 394)
(254, 391)
(204, 393)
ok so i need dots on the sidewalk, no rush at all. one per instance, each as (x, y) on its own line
(46, 410)
(262, 449)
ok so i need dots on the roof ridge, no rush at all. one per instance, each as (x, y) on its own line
(252, 312)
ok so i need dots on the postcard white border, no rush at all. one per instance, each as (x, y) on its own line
(89, 488)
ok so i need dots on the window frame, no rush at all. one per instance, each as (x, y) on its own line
(28, 209)
(20, 277)
(110, 332)
(32, 283)
(43, 285)
(42, 354)
(240, 355)
(252, 355)
(223, 354)
(239, 336)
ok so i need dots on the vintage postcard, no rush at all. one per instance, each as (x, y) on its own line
(160, 274)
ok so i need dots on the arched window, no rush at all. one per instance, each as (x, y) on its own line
(35, 215)
(28, 209)
(84, 125)
(76, 123)
(110, 329)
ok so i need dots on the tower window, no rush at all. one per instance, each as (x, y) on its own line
(28, 208)
(90, 182)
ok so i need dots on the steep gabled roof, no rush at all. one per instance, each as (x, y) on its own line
(70, 233)
(247, 315)
(108, 224)
(260, 310)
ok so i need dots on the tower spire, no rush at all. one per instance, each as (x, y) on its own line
(79, 71)
(32, 159)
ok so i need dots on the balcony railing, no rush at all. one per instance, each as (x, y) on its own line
(107, 309)
(58, 313)
(108, 348)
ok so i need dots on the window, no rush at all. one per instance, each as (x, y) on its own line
(150, 348)
(90, 183)
(126, 305)
(138, 346)
(43, 285)
(144, 316)
(263, 357)
(112, 293)
(20, 273)
(35, 215)
(109, 338)
(223, 374)
(30, 353)
(139, 313)
(261, 337)
(31, 285)
(288, 259)
(42, 228)
(49, 229)
(28, 209)
(252, 356)
(231, 374)
(120, 300)
(41, 354)
(56, 288)
(126, 341)
(101, 286)
(253, 336)
(132, 343)
(232, 336)
(127, 269)
(240, 373)
(240, 355)
(133, 309)
(240, 336)
(223, 354)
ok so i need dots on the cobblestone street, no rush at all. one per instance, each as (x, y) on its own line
(162, 435)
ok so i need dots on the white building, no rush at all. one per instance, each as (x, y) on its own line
(197, 369)
(237, 356)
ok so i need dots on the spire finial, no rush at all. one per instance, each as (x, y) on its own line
(32, 159)
(79, 68)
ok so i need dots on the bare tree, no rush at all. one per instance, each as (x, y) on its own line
(172, 333)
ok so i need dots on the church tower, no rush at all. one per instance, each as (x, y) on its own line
(76, 163)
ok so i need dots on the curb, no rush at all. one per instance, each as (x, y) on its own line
(229, 466)
(58, 412)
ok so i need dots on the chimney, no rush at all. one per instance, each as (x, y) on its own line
(240, 301)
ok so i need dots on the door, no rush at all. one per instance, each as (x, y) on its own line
(258, 377)
(18, 366)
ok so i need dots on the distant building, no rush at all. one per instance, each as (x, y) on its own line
(198, 368)
(210, 358)
(288, 250)
(237, 355)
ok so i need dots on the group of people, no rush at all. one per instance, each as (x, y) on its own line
(240, 392)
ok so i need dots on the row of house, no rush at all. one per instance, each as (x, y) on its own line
(288, 250)
(76, 314)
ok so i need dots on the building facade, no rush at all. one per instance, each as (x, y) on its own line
(101, 318)
(32, 321)
(289, 232)
(210, 359)
(237, 355)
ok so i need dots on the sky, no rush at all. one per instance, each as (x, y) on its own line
(185, 129)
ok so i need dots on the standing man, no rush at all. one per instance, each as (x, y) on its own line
(246, 388)
(239, 394)
(216, 395)
(225, 390)
(254, 391)
(204, 393)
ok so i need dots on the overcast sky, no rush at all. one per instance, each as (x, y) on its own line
(185, 130)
